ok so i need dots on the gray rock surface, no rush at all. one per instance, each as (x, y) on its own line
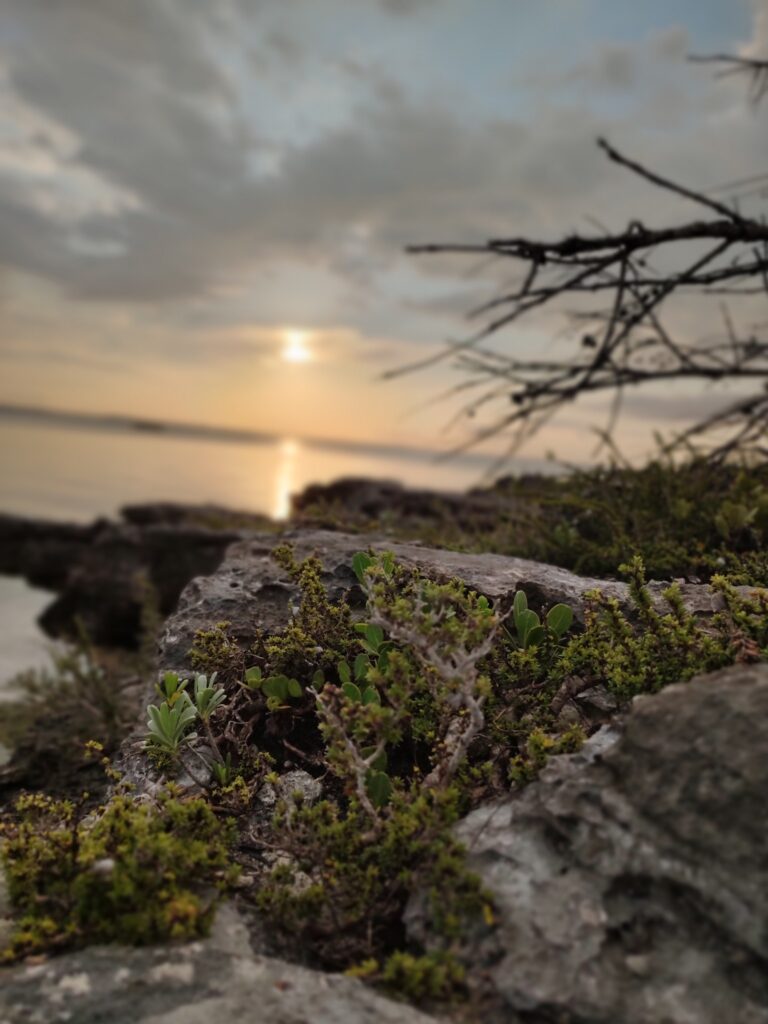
(631, 880)
(249, 589)
(215, 981)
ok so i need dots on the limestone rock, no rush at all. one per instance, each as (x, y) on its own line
(250, 590)
(631, 880)
(217, 979)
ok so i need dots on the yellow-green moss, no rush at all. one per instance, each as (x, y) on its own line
(131, 872)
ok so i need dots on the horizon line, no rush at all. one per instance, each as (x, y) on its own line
(237, 435)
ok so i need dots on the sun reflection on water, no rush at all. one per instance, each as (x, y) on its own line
(285, 478)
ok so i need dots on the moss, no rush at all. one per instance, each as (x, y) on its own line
(344, 890)
(429, 978)
(389, 693)
(662, 648)
(320, 633)
(84, 694)
(695, 519)
(539, 747)
(214, 650)
(132, 872)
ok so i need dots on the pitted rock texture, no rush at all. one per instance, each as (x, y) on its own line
(631, 880)
(250, 590)
(215, 981)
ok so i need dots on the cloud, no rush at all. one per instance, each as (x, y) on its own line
(757, 47)
(147, 169)
(406, 6)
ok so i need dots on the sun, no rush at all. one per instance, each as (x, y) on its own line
(295, 348)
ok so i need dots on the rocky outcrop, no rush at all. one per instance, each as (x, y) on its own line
(218, 979)
(99, 570)
(250, 590)
(365, 503)
(631, 880)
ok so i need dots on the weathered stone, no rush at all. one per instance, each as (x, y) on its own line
(100, 571)
(631, 880)
(250, 590)
(217, 979)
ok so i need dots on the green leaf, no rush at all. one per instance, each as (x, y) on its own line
(352, 692)
(379, 787)
(294, 688)
(387, 562)
(519, 606)
(374, 635)
(526, 621)
(560, 619)
(360, 563)
(276, 686)
(362, 664)
(345, 673)
(318, 679)
(253, 676)
(370, 695)
(534, 636)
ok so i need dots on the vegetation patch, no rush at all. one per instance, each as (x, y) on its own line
(131, 871)
(433, 702)
(695, 520)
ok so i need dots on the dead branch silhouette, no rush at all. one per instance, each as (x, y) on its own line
(624, 343)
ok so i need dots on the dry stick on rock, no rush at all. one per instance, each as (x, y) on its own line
(359, 764)
(457, 670)
(626, 344)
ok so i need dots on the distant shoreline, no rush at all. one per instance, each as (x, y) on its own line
(200, 432)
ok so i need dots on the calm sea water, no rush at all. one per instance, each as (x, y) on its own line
(75, 474)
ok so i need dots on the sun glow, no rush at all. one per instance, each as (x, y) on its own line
(295, 348)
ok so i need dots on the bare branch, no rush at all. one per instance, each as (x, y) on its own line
(755, 69)
(625, 345)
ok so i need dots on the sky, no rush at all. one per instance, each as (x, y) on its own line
(204, 204)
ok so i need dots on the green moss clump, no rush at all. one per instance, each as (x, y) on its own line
(662, 648)
(214, 650)
(344, 891)
(132, 872)
(539, 747)
(432, 977)
(320, 633)
(695, 519)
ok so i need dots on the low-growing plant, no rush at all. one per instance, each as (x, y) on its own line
(170, 723)
(409, 717)
(132, 871)
(431, 977)
(342, 892)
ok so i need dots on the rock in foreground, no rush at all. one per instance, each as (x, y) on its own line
(631, 880)
(216, 981)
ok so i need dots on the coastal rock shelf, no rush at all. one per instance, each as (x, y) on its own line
(217, 979)
(629, 881)
(249, 589)
(99, 571)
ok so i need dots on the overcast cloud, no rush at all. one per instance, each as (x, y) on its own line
(213, 168)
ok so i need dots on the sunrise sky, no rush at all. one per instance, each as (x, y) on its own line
(203, 205)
